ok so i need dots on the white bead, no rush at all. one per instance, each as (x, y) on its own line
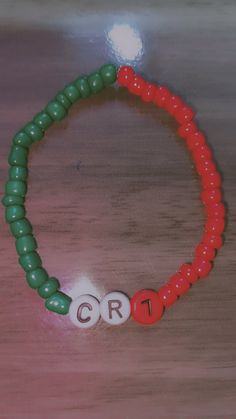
(115, 308)
(84, 311)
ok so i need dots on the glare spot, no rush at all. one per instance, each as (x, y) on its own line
(125, 42)
(83, 285)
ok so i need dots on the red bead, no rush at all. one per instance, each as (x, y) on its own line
(212, 240)
(184, 114)
(211, 180)
(146, 307)
(173, 104)
(205, 251)
(188, 272)
(202, 152)
(215, 225)
(162, 96)
(125, 75)
(137, 85)
(216, 210)
(149, 92)
(167, 295)
(205, 167)
(186, 129)
(195, 139)
(209, 196)
(202, 267)
(179, 284)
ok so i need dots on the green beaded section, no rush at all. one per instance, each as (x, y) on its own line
(83, 86)
(9, 200)
(58, 302)
(63, 100)
(56, 110)
(33, 131)
(108, 73)
(18, 156)
(30, 261)
(21, 228)
(26, 244)
(18, 173)
(43, 120)
(49, 287)
(37, 277)
(15, 187)
(95, 82)
(72, 92)
(22, 139)
(14, 213)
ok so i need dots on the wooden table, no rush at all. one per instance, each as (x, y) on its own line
(114, 202)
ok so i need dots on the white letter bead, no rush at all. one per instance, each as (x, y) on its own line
(84, 311)
(115, 308)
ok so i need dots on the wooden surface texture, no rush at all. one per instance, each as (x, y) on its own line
(114, 201)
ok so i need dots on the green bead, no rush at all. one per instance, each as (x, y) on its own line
(26, 244)
(95, 82)
(72, 92)
(83, 87)
(30, 261)
(43, 120)
(14, 213)
(108, 74)
(56, 110)
(18, 156)
(33, 131)
(37, 278)
(22, 139)
(63, 100)
(59, 303)
(21, 228)
(8, 200)
(49, 287)
(18, 173)
(15, 187)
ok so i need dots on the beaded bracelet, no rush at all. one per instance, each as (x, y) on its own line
(146, 306)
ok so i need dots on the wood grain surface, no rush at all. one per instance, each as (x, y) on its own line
(114, 201)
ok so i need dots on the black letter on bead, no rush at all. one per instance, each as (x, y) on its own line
(149, 306)
(79, 312)
(116, 308)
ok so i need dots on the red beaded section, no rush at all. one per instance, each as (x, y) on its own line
(146, 305)
(125, 75)
(179, 284)
(167, 295)
(188, 271)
